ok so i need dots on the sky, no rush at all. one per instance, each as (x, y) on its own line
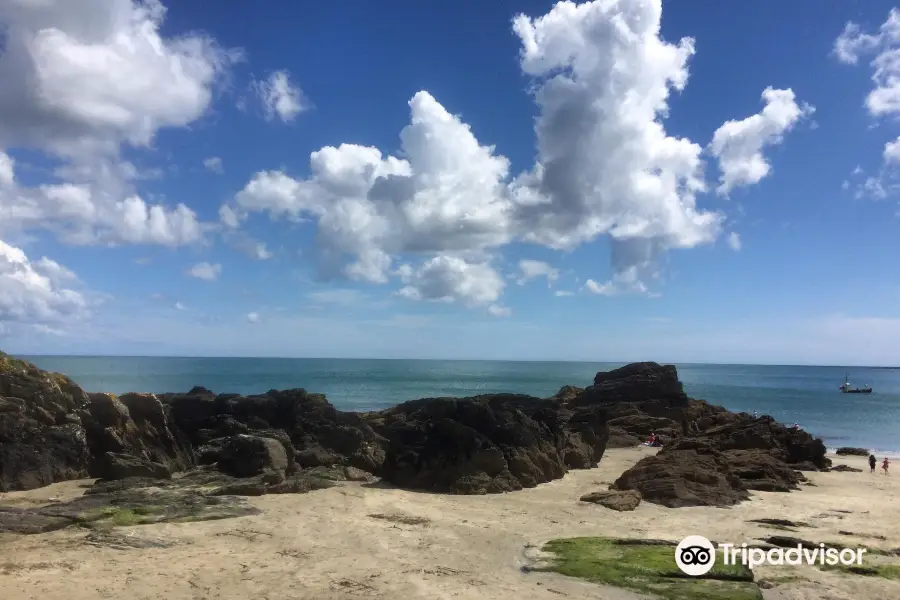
(612, 180)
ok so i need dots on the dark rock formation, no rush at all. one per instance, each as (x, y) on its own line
(487, 444)
(698, 476)
(615, 500)
(846, 451)
(276, 442)
(41, 438)
(250, 455)
(136, 425)
(846, 469)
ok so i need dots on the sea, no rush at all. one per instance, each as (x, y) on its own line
(806, 395)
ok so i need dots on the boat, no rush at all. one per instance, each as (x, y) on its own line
(846, 389)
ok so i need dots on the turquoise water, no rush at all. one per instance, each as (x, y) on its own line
(805, 395)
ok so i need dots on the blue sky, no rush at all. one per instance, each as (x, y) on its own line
(452, 180)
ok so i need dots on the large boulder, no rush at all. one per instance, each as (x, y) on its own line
(487, 444)
(41, 438)
(698, 476)
(250, 455)
(135, 425)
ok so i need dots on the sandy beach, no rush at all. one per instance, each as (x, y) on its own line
(328, 544)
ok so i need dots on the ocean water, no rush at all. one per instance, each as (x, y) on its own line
(792, 394)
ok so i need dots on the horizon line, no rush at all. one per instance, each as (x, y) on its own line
(420, 359)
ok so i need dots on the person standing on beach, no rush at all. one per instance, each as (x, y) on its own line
(885, 465)
(872, 461)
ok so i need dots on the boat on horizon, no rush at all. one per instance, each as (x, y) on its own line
(846, 389)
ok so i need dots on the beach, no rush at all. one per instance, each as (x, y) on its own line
(326, 544)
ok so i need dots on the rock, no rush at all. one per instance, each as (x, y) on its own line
(619, 438)
(23, 521)
(846, 469)
(846, 451)
(780, 522)
(687, 477)
(615, 500)
(788, 445)
(250, 455)
(567, 393)
(487, 444)
(135, 425)
(314, 428)
(41, 441)
(759, 470)
(119, 466)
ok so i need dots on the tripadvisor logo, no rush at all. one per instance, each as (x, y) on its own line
(695, 555)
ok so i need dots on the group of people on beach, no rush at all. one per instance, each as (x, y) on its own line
(884, 465)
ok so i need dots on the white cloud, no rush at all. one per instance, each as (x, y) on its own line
(445, 196)
(279, 97)
(734, 241)
(205, 271)
(180, 306)
(605, 166)
(623, 282)
(532, 269)
(738, 145)
(80, 80)
(7, 169)
(83, 76)
(451, 279)
(884, 48)
(37, 292)
(253, 317)
(562, 293)
(214, 164)
(495, 310)
(887, 180)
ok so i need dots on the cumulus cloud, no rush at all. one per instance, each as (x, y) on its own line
(532, 269)
(279, 97)
(37, 292)
(605, 165)
(7, 173)
(214, 164)
(205, 271)
(886, 181)
(883, 47)
(80, 80)
(495, 310)
(738, 145)
(451, 279)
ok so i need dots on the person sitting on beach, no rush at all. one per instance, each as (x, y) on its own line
(796, 427)
(885, 465)
(652, 439)
(755, 414)
(872, 461)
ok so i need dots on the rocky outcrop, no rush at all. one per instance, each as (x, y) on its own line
(847, 451)
(270, 443)
(487, 444)
(620, 501)
(41, 437)
(699, 476)
(133, 425)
